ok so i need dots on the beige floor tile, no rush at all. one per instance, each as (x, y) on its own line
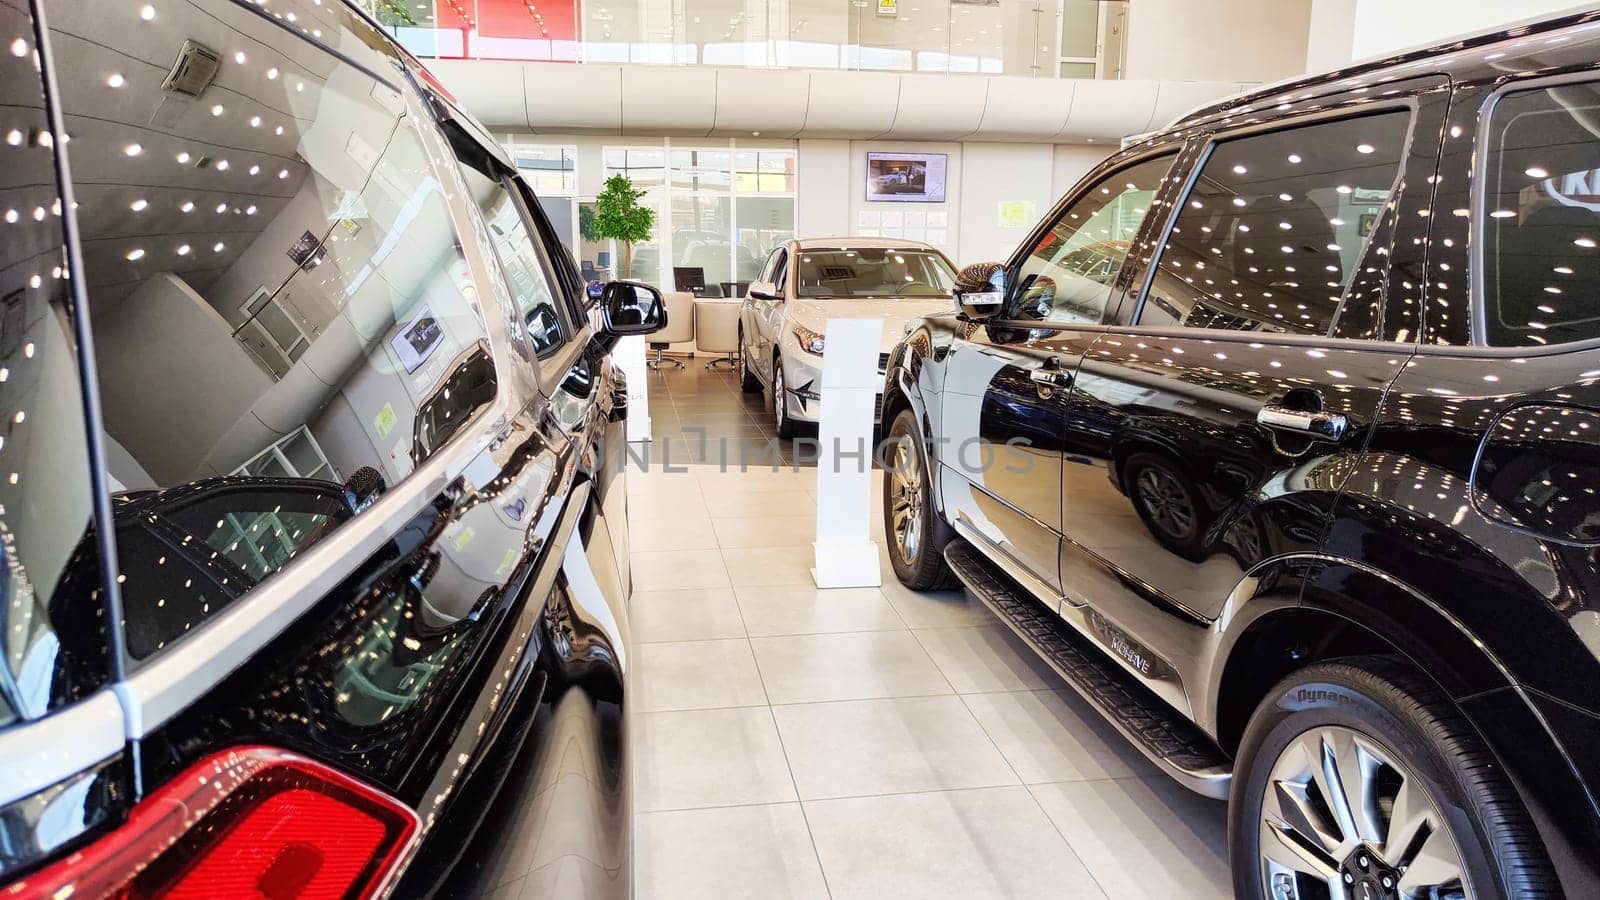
(708, 757)
(993, 842)
(869, 747)
(696, 675)
(754, 852)
(986, 659)
(934, 609)
(672, 533)
(701, 614)
(1052, 736)
(674, 570)
(1143, 837)
(857, 666)
(754, 479)
(733, 502)
(758, 566)
(766, 531)
(803, 609)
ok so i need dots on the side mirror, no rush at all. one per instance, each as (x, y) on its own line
(762, 290)
(629, 307)
(980, 290)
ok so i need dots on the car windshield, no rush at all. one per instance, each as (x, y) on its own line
(873, 272)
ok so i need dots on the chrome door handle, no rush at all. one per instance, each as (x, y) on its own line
(1055, 378)
(1325, 426)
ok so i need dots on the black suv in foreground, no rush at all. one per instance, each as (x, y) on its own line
(1302, 490)
(313, 558)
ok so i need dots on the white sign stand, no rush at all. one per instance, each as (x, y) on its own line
(845, 553)
(629, 356)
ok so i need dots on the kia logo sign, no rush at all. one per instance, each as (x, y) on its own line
(1580, 189)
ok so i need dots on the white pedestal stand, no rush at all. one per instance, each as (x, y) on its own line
(629, 355)
(845, 553)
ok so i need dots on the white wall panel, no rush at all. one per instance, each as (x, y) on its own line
(849, 104)
(667, 100)
(994, 174)
(775, 105)
(938, 107)
(1111, 110)
(571, 98)
(1039, 113)
(823, 204)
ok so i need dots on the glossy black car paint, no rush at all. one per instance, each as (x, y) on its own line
(500, 696)
(1377, 542)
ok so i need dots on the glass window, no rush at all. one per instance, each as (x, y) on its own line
(52, 646)
(701, 170)
(548, 168)
(764, 171)
(544, 327)
(872, 272)
(701, 225)
(1276, 227)
(294, 174)
(645, 166)
(1068, 276)
(1542, 202)
(764, 223)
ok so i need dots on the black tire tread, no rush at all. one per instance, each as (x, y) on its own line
(931, 572)
(1512, 839)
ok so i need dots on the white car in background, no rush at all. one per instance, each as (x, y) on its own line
(805, 283)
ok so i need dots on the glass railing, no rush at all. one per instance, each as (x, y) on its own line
(1031, 38)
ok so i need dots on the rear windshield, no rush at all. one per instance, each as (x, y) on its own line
(872, 272)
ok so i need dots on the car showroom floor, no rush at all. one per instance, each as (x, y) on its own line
(874, 742)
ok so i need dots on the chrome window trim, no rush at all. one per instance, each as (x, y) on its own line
(46, 751)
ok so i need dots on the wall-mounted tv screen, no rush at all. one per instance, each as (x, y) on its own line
(906, 177)
(417, 341)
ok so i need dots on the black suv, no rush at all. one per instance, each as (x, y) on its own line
(313, 557)
(1299, 484)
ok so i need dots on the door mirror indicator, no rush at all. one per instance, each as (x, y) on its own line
(980, 290)
(630, 307)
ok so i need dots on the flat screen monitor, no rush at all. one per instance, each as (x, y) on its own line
(418, 339)
(906, 177)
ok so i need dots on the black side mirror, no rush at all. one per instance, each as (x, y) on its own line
(629, 307)
(980, 290)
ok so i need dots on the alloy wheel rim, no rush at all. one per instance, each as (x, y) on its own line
(1166, 501)
(905, 500)
(1341, 810)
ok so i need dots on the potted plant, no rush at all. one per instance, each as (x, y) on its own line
(618, 216)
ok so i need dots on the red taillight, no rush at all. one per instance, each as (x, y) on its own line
(248, 822)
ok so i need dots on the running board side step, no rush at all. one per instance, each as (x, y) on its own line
(1172, 742)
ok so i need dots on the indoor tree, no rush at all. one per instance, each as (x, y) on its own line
(618, 215)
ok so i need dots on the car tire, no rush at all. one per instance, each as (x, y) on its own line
(782, 424)
(1167, 502)
(1432, 799)
(915, 532)
(748, 381)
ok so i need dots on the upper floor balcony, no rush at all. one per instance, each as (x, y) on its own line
(1028, 38)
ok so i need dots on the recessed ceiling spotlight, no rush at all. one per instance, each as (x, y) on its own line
(135, 254)
(218, 247)
(188, 206)
(139, 205)
(115, 80)
(133, 150)
(147, 13)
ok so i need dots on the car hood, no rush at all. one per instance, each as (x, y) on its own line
(894, 311)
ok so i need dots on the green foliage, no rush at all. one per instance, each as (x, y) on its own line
(619, 216)
(586, 223)
(393, 13)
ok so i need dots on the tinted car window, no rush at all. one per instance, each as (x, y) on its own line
(1541, 260)
(1068, 275)
(871, 272)
(278, 295)
(51, 651)
(1274, 231)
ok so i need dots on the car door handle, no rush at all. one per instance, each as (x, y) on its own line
(1058, 378)
(1325, 426)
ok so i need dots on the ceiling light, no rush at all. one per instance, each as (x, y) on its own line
(1344, 189)
(222, 207)
(255, 121)
(218, 247)
(250, 210)
(1586, 243)
(278, 130)
(1536, 172)
(139, 205)
(19, 47)
(238, 57)
(115, 80)
(188, 206)
(1239, 170)
(183, 156)
(183, 249)
(222, 165)
(283, 173)
(255, 170)
(133, 150)
(272, 73)
(14, 137)
(1365, 148)
(1294, 158)
(147, 13)
(136, 254)
(217, 110)
(1502, 214)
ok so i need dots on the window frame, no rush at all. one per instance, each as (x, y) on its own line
(1477, 204)
(1204, 144)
